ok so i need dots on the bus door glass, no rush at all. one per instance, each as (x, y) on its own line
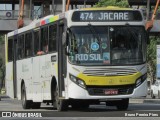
(15, 66)
(51, 56)
(61, 56)
(9, 69)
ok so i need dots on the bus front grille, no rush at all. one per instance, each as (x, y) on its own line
(109, 71)
(122, 90)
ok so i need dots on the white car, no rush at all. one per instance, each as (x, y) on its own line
(155, 89)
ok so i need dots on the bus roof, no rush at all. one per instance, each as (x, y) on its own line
(52, 18)
(107, 8)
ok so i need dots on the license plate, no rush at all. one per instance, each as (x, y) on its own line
(111, 92)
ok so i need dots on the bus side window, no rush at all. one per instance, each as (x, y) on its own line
(10, 50)
(28, 44)
(36, 42)
(44, 40)
(21, 47)
(52, 37)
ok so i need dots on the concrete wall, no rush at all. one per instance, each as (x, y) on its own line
(8, 25)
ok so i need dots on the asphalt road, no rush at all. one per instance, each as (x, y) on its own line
(144, 108)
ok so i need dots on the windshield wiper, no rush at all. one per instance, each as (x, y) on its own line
(135, 37)
(96, 35)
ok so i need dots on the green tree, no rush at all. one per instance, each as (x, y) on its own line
(2, 72)
(120, 3)
(151, 58)
(1, 39)
(2, 65)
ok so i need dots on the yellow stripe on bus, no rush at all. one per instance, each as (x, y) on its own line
(56, 68)
(109, 80)
(11, 77)
(37, 29)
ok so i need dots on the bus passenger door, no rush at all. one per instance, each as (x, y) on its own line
(10, 68)
(61, 59)
(37, 87)
(15, 67)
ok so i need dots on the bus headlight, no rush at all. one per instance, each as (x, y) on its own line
(78, 81)
(140, 80)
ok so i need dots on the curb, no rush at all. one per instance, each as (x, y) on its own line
(136, 100)
(3, 96)
(154, 101)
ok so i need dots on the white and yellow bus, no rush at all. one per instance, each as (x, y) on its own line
(78, 58)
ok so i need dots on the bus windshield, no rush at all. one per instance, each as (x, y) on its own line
(107, 45)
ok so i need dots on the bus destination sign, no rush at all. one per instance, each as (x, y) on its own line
(96, 16)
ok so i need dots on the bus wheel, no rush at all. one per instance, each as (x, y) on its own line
(60, 104)
(25, 103)
(36, 105)
(123, 104)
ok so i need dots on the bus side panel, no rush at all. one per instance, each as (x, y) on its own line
(37, 85)
(48, 65)
(48, 77)
(9, 79)
(50, 71)
(19, 78)
(27, 76)
(54, 66)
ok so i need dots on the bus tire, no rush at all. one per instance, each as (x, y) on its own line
(25, 103)
(123, 104)
(60, 104)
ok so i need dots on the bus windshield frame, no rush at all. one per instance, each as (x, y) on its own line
(107, 45)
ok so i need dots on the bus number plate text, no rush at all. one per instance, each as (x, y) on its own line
(111, 92)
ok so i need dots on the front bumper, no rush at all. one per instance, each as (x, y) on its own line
(76, 92)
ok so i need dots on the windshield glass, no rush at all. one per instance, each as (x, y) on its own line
(96, 45)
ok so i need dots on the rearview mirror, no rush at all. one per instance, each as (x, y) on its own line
(66, 43)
